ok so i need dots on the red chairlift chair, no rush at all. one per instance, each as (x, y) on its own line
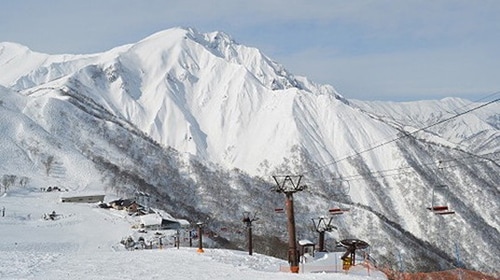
(279, 210)
(439, 208)
(337, 210)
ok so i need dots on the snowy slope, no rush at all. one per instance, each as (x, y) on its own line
(181, 87)
(83, 243)
(476, 132)
(202, 123)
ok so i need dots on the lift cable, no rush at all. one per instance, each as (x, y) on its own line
(407, 134)
(409, 169)
(473, 102)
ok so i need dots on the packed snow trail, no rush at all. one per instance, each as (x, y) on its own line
(83, 243)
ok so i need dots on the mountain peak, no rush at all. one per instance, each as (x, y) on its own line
(11, 46)
(163, 113)
(12, 51)
(219, 38)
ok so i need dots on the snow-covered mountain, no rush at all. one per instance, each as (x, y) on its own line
(202, 123)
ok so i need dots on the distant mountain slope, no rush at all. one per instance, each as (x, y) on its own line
(202, 123)
(476, 131)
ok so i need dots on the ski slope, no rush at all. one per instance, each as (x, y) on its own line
(203, 124)
(83, 242)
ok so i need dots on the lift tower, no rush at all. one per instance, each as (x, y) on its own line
(289, 185)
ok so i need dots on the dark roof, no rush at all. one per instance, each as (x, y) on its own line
(124, 202)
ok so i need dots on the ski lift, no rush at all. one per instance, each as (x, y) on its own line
(279, 210)
(341, 187)
(337, 211)
(439, 207)
(351, 245)
(322, 224)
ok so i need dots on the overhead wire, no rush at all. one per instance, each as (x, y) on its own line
(474, 102)
(407, 134)
(488, 96)
(400, 170)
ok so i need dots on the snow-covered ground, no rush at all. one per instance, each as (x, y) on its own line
(83, 242)
(191, 116)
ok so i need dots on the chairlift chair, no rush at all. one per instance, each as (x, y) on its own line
(439, 208)
(337, 210)
(279, 210)
(341, 187)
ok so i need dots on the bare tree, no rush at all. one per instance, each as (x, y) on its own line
(48, 164)
(7, 181)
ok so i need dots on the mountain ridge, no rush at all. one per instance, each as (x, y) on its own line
(203, 123)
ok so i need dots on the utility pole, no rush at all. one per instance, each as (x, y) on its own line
(290, 185)
(178, 239)
(248, 220)
(321, 226)
(200, 238)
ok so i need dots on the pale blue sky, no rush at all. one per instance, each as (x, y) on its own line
(367, 49)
